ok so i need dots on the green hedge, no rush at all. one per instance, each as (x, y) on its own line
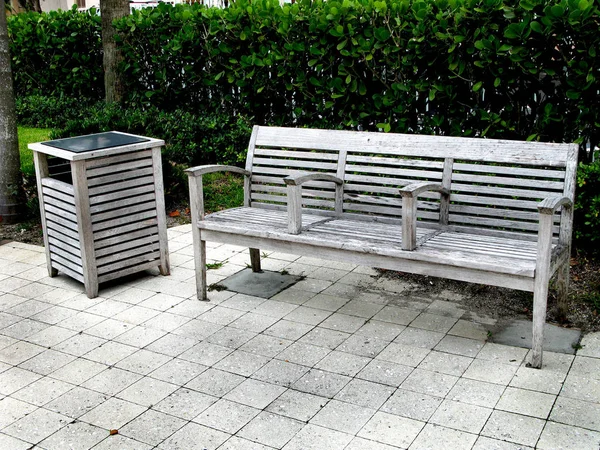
(58, 54)
(459, 67)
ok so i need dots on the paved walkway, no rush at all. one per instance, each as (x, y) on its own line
(342, 360)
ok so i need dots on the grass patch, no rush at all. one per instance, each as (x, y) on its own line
(222, 191)
(28, 136)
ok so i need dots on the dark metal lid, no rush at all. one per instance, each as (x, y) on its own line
(96, 141)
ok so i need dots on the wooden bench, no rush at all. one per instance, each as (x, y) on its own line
(479, 210)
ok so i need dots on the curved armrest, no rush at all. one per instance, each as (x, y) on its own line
(302, 177)
(409, 210)
(415, 189)
(294, 196)
(551, 204)
(201, 170)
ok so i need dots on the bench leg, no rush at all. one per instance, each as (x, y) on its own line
(540, 299)
(562, 285)
(255, 259)
(199, 263)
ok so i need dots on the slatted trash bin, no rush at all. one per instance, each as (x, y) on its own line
(102, 206)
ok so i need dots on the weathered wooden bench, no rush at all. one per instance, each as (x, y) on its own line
(479, 210)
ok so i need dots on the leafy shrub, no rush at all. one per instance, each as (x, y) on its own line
(587, 207)
(511, 70)
(49, 112)
(58, 53)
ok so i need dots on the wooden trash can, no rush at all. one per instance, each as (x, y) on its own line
(102, 206)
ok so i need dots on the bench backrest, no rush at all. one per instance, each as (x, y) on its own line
(495, 184)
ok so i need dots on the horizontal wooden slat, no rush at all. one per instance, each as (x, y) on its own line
(132, 235)
(124, 211)
(283, 191)
(497, 212)
(296, 164)
(70, 216)
(383, 181)
(102, 207)
(124, 185)
(127, 193)
(60, 243)
(66, 198)
(283, 199)
(54, 250)
(509, 170)
(507, 181)
(61, 238)
(109, 160)
(135, 218)
(298, 155)
(129, 166)
(129, 262)
(471, 149)
(62, 221)
(259, 180)
(397, 161)
(121, 229)
(120, 176)
(494, 201)
(124, 245)
(59, 186)
(67, 268)
(387, 201)
(114, 259)
(58, 203)
(500, 223)
(351, 187)
(494, 190)
(399, 172)
(73, 234)
(390, 211)
(128, 271)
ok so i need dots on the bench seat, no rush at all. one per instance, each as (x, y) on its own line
(469, 252)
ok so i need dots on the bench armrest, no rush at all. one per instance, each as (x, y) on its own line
(551, 204)
(409, 210)
(195, 184)
(201, 170)
(294, 184)
(416, 189)
(302, 177)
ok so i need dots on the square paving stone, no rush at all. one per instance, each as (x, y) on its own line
(365, 393)
(526, 402)
(558, 436)
(185, 403)
(342, 416)
(257, 394)
(263, 284)
(413, 405)
(297, 405)
(432, 436)
(226, 416)
(391, 429)
(313, 437)
(152, 427)
(574, 412)
(75, 435)
(195, 437)
(512, 427)
(271, 429)
(461, 416)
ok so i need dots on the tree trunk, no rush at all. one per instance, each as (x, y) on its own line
(113, 84)
(10, 161)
